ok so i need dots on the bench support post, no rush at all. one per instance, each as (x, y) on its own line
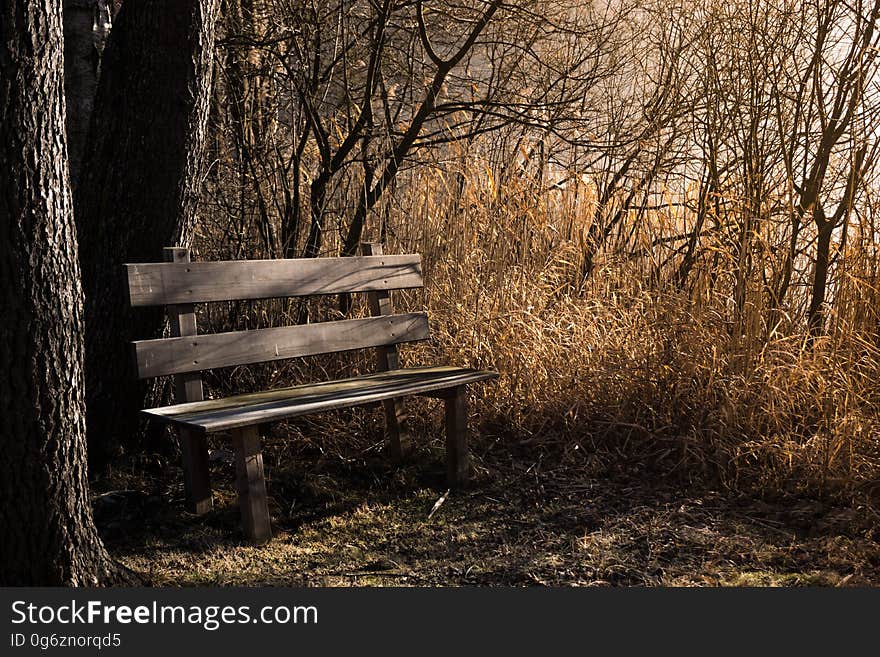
(188, 388)
(251, 485)
(399, 442)
(457, 459)
(196, 475)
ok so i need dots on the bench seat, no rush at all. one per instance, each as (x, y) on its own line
(217, 415)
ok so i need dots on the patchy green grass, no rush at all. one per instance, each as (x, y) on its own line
(535, 517)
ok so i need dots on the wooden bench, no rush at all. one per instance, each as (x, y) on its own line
(179, 283)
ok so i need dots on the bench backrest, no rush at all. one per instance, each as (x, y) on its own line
(179, 284)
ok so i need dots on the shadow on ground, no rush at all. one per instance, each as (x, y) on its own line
(534, 518)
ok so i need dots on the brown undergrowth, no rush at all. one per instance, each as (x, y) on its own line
(644, 429)
(624, 361)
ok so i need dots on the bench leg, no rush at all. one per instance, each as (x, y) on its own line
(457, 461)
(251, 485)
(196, 475)
(398, 438)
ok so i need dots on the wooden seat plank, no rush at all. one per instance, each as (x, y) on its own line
(159, 283)
(260, 407)
(165, 356)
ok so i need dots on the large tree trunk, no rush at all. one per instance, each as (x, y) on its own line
(48, 535)
(86, 26)
(138, 192)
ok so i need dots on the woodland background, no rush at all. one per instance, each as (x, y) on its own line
(658, 221)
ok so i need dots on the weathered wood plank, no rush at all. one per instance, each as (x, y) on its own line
(262, 407)
(188, 388)
(176, 355)
(156, 284)
(251, 484)
(387, 358)
(457, 458)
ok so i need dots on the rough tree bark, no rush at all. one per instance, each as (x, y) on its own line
(48, 535)
(86, 27)
(139, 188)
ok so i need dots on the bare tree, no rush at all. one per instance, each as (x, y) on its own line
(833, 144)
(49, 537)
(139, 189)
(364, 90)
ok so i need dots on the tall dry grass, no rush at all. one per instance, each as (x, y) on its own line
(624, 365)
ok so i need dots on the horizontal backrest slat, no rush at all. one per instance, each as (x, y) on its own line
(160, 283)
(201, 352)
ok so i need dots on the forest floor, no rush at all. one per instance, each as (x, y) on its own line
(536, 516)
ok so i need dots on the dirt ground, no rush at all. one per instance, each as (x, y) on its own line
(536, 516)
